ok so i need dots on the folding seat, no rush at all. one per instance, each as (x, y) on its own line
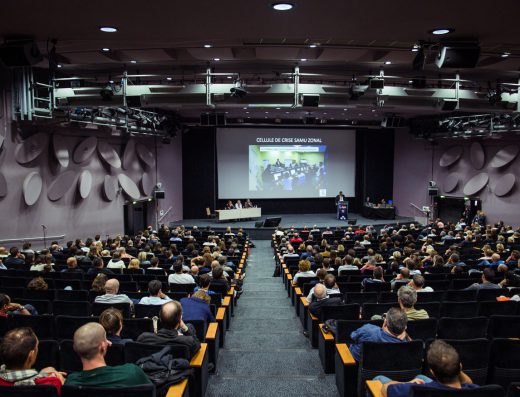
(185, 288)
(461, 283)
(435, 296)
(128, 286)
(200, 328)
(460, 295)
(504, 326)
(133, 351)
(39, 294)
(432, 308)
(71, 308)
(142, 311)
(377, 287)
(29, 391)
(137, 295)
(491, 294)
(98, 308)
(48, 354)
(75, 284)
(42, 306)
(85, 391)
(15, 282)
(483, 391)
(72, 295)
(69, 360)
(505, 361)
(371, 309)
(13, 292)
(72, 275)
(349, 287)
(361, 297)
(340, 312)
(462, 328)
(422, 329)
(459, 309)
(133, 327)
(305, 280)
(508, 308)
(42, 325)
(115, 355)
(67, 325)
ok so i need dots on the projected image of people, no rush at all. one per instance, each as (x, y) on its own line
(295, 168)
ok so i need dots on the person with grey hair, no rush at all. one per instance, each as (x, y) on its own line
(417, 283)
(321, 299)
(112, 294)
(392, 331)
(407, 298)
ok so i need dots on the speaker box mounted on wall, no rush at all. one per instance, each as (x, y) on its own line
(433, 191)
(458, 55)
(376, 83)
(311, 100)
(158, 194)
(17, 53)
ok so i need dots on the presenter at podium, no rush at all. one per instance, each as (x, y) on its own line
(341, 207)
(340, 198)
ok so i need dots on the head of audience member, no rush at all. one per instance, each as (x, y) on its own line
(112, 321)
(378, 273)
(321, 273)
(154, 287)
(177, 267)
(72, 262)
(112, 286)
(202, 295)
(444, 362)
(171, 315)
(320, 292)
(454, 258)
(194, 270)
(395, 321)
(205, 281)
(488, 275)
(407, 297)
(37, 284)
(218, 273)
(502, 268)
(134, 264)
(417, 282)
(326, 263)
(98, 284)
(404, 273)
(19, 349)
(91, 344)
(154, 262)
(304, 266)
(98, 263)
(329, 281)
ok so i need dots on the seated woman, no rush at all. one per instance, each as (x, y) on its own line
(112, 321)
(134, 267)
(197, 307)
(116, 263)
(98, 284)
(229, 205)
(304, 270)
(8, 308)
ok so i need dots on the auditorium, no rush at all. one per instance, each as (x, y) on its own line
(260, 198)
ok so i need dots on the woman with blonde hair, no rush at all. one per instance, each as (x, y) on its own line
(304, 270)
(134, 267)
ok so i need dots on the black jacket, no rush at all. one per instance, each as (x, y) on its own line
(315, 306)
(168, 337)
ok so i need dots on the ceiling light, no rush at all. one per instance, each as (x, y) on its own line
(108, 29)
(441, 31)
(303, 59)
(229, 77)
(105, 49)
(169, 78)
(207, 46)
(415, 48)
(216, 59)
(132, 61)
(505, 54)
(244, 108)
(277, 108)
(282, 6)
(313, 45)
(410, 81)
(59, 65)
(388, 62)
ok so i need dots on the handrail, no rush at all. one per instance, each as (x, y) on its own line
(24, 239)
(164, 214)
(418, 209)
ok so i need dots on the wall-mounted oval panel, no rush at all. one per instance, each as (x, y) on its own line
(504, 156)
(61, 151)
(476, 184)
(147, 184)
(477, 155)
(3, 186)
(450, 182)
(85, 150)
(109, 154)
(32, 188)
(110, 187)
(31, 148)
(129, 186)
(129, 154)
(85, 184)
(61, 185)
(451, 156)
(504, 185)
(145, 155)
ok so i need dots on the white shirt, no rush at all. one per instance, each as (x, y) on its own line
(153, 300)
(116, 264)
(238, 206)
(182, 278)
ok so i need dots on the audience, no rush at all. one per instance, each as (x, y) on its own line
(488, 276)
(157, 297)
(112, 321)
(112, 294)
(407, 298)
(197, 307)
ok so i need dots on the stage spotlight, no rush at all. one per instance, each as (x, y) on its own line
(238, 92)
(107, 92)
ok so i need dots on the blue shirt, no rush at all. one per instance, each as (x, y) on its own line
(196, 309)
(403, 389)
(370, 333)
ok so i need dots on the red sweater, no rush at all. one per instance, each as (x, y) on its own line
(49, 380)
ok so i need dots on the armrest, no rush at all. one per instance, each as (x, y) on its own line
(327, 336)
(298, 291)
(289, 276)
(304, 301)
(198, 358)
(313, 317)
(227, 301)
(344, 353)
(374, 386)
(221, 313)
(179, 389)
(211, 333)
(231, 291)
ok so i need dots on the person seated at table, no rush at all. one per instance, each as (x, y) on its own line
(248, 204)
(229, 205)
(238, 205)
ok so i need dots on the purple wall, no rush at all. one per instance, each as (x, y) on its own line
(70, 215)
(413, 170)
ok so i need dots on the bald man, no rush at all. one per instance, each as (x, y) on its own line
(112, 294)
(321, 299)
(173, 331)
(91, 344)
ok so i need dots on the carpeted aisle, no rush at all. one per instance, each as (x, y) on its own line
(266, 353)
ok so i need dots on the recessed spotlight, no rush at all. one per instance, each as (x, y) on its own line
(132, 61)
(373, 110)
(105, 49)
(111, 81)
(277, 108)
(303, 59)
(282, 6)
(207, 46)
(108, 29)
(266, 112)
(169, 78)
(505, 54)
(410, 81)
(59, 65)
(313, 45)
(286, 112)
(345, 109)
(360, 114)
(388, 62)
(216, 59)
(247, 112)
(325, 113)
(228, 77)
(441, 31)
(415, 48)
(244, 108)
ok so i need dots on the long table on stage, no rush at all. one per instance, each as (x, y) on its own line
(243, 213)
(378, 212)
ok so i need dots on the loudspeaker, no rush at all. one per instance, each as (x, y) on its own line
(272, 222)
(376, 83)
(20, 53)
(352, 221)
(158, 194)
(458, 55)
(433, 191)
(311, 100)
(259, 224)
(449, 104)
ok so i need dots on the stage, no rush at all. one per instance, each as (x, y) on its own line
(288, 220)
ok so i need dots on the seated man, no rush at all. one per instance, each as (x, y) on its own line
(91, 344)
(157, 297)
(445, 366)
(179, 277)
(111, 294)
(173, 331)
(402, 278)
(407, 298)
(98, 266)
(19, 349)
(321, 299)
(72, 266)
(487, 281)
(494, 262)
(377, 277)
(417, 284)
(329, 281)
(392, 331)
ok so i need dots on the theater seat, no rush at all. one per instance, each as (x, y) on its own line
(462, 328)
(29, 391)
(84, 391)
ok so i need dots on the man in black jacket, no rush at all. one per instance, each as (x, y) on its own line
(173, 331)
(321, 299)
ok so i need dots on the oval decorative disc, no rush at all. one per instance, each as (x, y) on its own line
(128, 186)
(31, 148)
(477, 155)
(504, 185)
(110, 187)
(3, 186)
(61, 151)
(129, 154)
(32, 188)
(61, 185)
(147, 184)
(451, 156)
(145, 155)
(504, 156)
(476, 184)
(109, 154)
(85, 184)
(85, 150)
(450, 182)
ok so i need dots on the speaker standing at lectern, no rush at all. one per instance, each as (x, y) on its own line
(342, 207)
(340, 198)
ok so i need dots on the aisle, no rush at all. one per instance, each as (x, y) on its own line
(266, 353)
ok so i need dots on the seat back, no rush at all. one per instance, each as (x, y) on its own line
(462, 328)
(340, 312)
(387, 297)
(29, 391)
(72, 295)
(460, 295)
(482, 391)
(48, 355)
(142, 311)
(85, 391)
(504, 326)
(71, 308)
(435, 296)
(133, 327)
(346, 327)
(487, 294)
(41, 306)
(42, 325)
(490, 308)
(186, 288)
(377, 287)
(69, 360)
(133, 351)
(459, 309)
(432, 308)
(98, 308)
(305, 280)
(505, 361)
(115, 355)
(67, 325)
(371, 309)
(422, 329)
